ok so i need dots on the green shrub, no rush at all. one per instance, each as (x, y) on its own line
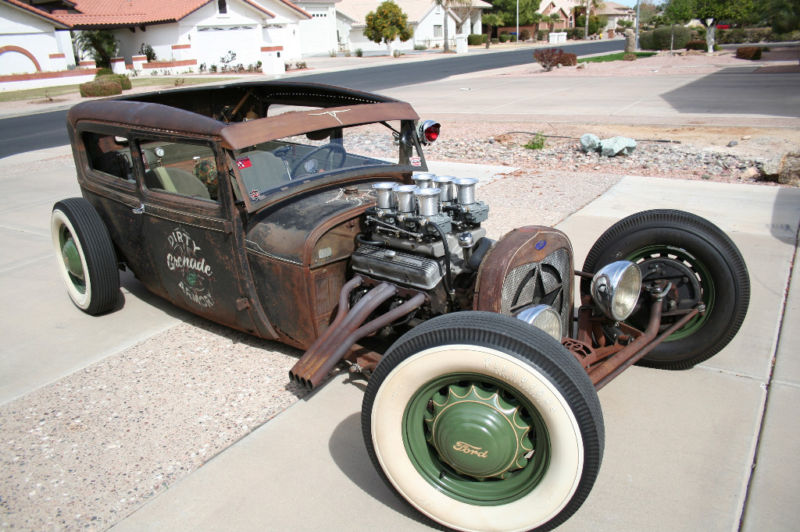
(697, 45)
(100, 88)
(567, 59)
(123, 80)
(474, 39)
(505, 37)
(785, 37)
(659, 38)
(753, 53)
(419, 46)
(359, 52)
(541, 35)
(536, 143)
(103, 72)
(495, 40)
(524, 35)
(732, 36)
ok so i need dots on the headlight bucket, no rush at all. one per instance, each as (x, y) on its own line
(544, 317)
(616, 287)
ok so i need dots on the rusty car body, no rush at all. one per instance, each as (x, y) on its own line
(305, 214)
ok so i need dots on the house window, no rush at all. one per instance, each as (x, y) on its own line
(222, 7)
(437, 30)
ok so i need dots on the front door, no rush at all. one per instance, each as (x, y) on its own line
(108, 182)
(187, 231)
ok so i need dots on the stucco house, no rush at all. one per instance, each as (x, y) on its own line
(32, 40)
(615, 13)
(425, 17)
(318, 33)
(194, 34)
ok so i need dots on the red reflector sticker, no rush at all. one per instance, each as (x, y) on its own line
(244, 162)
(415, 160)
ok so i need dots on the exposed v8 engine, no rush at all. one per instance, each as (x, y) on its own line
(424, 235)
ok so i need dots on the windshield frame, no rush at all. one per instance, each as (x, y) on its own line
(410, 157)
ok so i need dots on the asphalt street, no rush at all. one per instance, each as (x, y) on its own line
(45, 130)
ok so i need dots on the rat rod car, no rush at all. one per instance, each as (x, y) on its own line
(304, 214)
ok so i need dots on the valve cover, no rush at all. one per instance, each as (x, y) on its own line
(402, 268)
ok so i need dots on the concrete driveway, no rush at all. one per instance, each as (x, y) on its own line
(704, 449)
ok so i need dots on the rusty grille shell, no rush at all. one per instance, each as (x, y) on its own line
(525, 266)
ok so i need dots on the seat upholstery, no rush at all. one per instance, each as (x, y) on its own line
(264, 170)
(177, 181)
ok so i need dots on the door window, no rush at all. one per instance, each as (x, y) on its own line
(180, 168)
(109, 154)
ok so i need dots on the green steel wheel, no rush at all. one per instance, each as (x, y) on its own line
(482, 422)
(702, 265)
(85, 255)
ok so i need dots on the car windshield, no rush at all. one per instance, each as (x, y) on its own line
(276, 163)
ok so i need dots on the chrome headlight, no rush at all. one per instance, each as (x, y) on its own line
(544, 317)
(615, 289)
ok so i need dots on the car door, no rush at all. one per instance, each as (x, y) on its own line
(105, 160)
(187, 230)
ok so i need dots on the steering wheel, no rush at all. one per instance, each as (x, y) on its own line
(332, 148)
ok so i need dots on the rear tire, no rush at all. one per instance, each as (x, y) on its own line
(86, 257)
(702, 264)
(480, 421)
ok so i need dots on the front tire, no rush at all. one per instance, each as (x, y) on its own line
(703, 266)
(482, 422)
(85, 254)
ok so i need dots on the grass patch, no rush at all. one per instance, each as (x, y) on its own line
(60, 90)
(612, 57)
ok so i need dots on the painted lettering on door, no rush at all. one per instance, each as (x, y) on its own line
(184, 257)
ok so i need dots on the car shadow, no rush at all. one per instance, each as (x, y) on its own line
(785, 225)
(739, 90)
(348, 452)
(131, 284)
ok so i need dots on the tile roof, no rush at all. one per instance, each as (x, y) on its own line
(107, 13)
(34, 11)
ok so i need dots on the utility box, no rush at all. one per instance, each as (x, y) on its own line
(271, 60)
(461, 44)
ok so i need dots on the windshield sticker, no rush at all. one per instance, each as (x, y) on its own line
(415, 160)
(243, 163)
(196, 274)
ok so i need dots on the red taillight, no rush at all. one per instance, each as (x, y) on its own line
(429, 131)
(432, 133)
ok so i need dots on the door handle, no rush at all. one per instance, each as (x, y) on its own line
(139, 209)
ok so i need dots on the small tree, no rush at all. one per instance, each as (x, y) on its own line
(782, 15)
(677, 12)
(100, 45)
(446, 5)
(552, 19)
(386, 24)
(491, 20)
(710, 12)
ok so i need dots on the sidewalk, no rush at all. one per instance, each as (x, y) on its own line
(680, 446)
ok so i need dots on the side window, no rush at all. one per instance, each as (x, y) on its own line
(180, 168)
(109, 154)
